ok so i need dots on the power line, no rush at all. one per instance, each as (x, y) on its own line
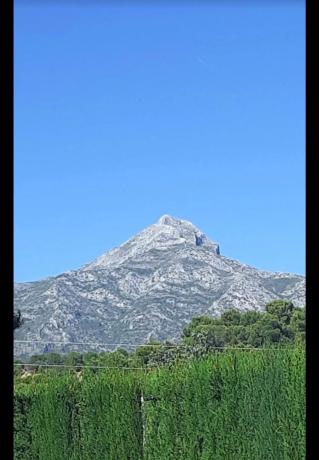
(138, 345)
(83, 366)
(99, 343)
(146, 345)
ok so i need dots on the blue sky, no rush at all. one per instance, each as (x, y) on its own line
(123, 114)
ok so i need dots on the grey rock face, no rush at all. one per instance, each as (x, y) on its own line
(149, 287)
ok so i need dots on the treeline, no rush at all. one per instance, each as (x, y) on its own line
(280, 324)
(234, 405)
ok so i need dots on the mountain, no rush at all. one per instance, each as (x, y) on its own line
(149, 287)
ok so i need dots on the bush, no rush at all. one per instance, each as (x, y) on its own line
(235, 405)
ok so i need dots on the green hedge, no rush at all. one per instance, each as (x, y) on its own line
(45, 423)
(239, 405)
(110, 417)
(243, 405)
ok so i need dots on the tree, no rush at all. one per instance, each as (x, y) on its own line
(249, 317)
(231, 317)
(38, 359)
(53, 358)
(280, 323)
(74, 359)
(298, 324)
(282, 309)
(213, 336)
(117, 358)
(17, 320)
(206, 337)
(146, 353)
(198, 322)
(266, 331)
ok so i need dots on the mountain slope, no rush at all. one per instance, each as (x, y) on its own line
(149, 287)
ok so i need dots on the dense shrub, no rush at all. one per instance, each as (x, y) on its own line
(234, 405)
(243, 405)
(110, 417)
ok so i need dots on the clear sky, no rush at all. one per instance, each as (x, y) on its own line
(126, 113)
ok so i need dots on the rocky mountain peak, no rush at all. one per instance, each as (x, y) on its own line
(173, 222)
(186, 231)
(168, 220)
(168, 233)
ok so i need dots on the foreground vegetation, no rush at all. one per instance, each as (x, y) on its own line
(235, 405)
(232, 389)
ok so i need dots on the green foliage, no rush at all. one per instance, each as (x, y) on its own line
(110, 417)
(280, 323)
(51, 418)
(231, 318)
(298, 324)
(197, 405)
(38, 359)
(44, 419)
(47, 358)
(73, 359)
(265, 331)
(54, 358)
(114, 359)
(235, 405)
(281, 309)
(249, 317)
(144, 354)
(23, 396)
(209, 337)
(196, 323)
(91, 358)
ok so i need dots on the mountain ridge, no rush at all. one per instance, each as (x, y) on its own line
(148, 287)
